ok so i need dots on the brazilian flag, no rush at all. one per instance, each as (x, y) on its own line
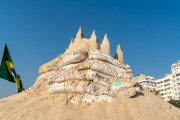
(7, 70)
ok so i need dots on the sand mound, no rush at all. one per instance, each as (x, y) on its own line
(35, 104)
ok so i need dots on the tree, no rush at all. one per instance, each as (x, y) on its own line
(176, 103)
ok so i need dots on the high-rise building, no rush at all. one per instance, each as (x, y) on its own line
(175, 68)
(146, 81)
(165, 87)
(169, 86)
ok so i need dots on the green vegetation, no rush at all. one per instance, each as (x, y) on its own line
(176, 103)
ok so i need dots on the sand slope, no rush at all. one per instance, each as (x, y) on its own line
(36, 104)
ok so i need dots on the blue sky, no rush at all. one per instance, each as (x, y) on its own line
(37, 31)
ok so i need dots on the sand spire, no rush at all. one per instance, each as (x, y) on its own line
(93, 37)
(79, 34)
(94, 41)
(72, 40)
(105, 45)
(119, 54)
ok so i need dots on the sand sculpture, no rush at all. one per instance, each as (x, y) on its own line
(105, 46)
(87, 68)
(119, 54)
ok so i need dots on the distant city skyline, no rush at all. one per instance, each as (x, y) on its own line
(39, 31)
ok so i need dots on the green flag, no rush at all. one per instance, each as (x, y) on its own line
(7, 70)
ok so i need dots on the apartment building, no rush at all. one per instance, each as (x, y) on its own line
(165, 87)
(169, 86)
(176, 80)
(146, 81)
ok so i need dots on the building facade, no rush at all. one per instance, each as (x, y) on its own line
(176, 80)
(165, 87)
(146, 81)
(169, 86)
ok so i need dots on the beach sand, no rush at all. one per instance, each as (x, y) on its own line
(36, 104)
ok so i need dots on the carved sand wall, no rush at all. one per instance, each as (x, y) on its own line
(87, 68)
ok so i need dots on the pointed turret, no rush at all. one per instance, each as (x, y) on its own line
(119, 54)
(93, 37)
(80, 34)
(72, 40)
(94, 41)
(105, 46)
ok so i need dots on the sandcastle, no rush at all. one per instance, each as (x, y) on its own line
(87, 69)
